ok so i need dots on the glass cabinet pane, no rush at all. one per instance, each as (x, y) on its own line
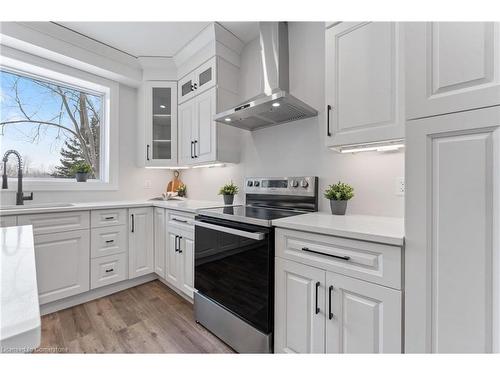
(162, 123)
(186, 88)
(205, 76)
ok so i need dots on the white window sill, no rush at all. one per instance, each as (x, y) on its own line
(30, 185)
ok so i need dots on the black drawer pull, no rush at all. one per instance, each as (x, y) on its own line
(180, 220)
(110, 241)
(109, 218)
(330, 314)
(317, 289)
(328, 255)
(180, 250)
(109, 270)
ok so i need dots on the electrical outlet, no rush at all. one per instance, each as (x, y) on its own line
(147, 184)
(400, 186)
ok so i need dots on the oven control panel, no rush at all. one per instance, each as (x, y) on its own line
(305, 185)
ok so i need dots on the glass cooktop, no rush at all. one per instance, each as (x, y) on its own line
(250, 214)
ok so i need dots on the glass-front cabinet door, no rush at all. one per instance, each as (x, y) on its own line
(161, 123)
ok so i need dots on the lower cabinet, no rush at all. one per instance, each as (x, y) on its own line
(160, 241)
(318, 311)
(62, 264)
(179, 270)
(108, 270)
(140, 238)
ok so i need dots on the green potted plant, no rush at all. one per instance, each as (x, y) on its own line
(339, 194)
(81, 170)
(181, 190)
(228, 192)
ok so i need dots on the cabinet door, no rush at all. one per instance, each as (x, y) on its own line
(160, 241)
(186, 87)
(186, 126)
(452, 66)
(140, 241)
(161, 123)
(205, 76)
(187, 265)
(365, 317)
(364, 82)
(299, 317)
(173, 262)
(451, 233)
(62, 264)
(204, 129)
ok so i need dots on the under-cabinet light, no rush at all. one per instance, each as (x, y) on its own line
(276, 104)
(209, 165)
(378, 146)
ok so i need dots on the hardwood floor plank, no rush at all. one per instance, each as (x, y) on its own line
(149, 318)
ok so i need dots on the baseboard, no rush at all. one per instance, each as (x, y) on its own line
(176, 290)
(98, 293)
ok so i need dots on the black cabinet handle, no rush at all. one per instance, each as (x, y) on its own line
(147, 152)
(192, 144)
(328, 109)
(133, 223)
(328, 255)
(196, 86)
(110, 241)
(330, 314)
(179, 220)
(109, 218)
(180, 250)
(109, 270)
(176, 246)
(317, 290)
(195, 143)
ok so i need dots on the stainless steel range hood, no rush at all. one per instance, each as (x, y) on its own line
(275, 105)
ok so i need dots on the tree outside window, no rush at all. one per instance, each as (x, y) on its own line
(52, 125)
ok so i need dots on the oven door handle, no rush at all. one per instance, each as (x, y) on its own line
(258, 236)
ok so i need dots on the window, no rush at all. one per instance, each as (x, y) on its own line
(54, 126)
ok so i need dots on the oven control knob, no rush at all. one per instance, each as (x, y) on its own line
(250, 183)
(304, 183)
(256, 183)
(294, 183)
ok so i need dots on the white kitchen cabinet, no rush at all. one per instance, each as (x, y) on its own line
(451, 67)
(141, 254)
(172, 268)
(108, 240)
(197, 81)
(108, 270)
(8, 221)
(62, 264)
(361, 317)
(158, 119)
(160, 241)
(180, 260)
(452, 238)
(108, 217)
(299, 308)
(364, 83)
(187, 256)
(56, 222)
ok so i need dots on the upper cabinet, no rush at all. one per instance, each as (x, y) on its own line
(451, 67)
(159, 118)
(364, 83)
(201, 79)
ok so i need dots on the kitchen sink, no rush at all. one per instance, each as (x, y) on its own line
(41, 205)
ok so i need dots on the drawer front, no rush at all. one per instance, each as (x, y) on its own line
(180, 220)
(364, 260)
(101, 218)
(108, 270)
(56, 222)
(8, 221)
(108, 240)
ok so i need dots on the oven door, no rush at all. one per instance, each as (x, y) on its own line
(234, 267)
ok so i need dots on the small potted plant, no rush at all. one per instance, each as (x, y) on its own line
(81, 170)
(339, 194)
(181, 190)
(228, 192)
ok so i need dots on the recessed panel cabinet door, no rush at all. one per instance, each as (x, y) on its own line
(364, 82)
(62, 264)
(172, 267)
(141, 261)
(361, 317)
(451, 66)
(160, 238)
(187, 248)
(299, 319)
(186, 125)
(204, 130)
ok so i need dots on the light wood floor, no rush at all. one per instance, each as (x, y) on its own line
(149, 318)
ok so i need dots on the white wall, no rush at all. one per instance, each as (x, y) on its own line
(298, 148)
(131, 178)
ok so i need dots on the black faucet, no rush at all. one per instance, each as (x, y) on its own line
(20, 198)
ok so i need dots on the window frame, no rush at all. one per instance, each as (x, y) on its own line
(49, 71)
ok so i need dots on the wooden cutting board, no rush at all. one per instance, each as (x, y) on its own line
(175, 183)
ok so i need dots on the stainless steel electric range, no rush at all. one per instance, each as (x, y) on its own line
(234, 260)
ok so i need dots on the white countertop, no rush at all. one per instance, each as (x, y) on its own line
(19, 310)
(186, 205)
(388, 230)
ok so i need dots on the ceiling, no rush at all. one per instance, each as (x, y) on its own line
(154, 38)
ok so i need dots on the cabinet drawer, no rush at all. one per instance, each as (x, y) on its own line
(108, 270)
(364, 260)
(56, 222)
(8, 221)
(108, 240)
(100, 218)
(180, 220)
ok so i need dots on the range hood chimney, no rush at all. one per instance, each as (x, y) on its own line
(275, 105)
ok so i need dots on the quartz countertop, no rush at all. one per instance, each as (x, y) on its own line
(20, 326)
(388, 230)
(186, 205)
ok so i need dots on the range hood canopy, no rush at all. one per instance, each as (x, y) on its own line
(275, 105)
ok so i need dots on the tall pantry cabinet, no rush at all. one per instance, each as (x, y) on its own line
(453, 194)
